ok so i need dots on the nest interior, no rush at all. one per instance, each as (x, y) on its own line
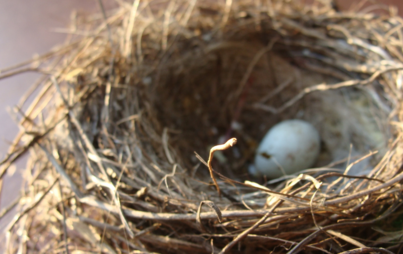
(127, 104)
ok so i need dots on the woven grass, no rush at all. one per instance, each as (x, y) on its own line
(123, 120)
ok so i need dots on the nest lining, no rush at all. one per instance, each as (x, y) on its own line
(122, 122)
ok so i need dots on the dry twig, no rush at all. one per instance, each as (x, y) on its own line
(231, 142)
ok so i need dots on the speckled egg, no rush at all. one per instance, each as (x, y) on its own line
(288, 147)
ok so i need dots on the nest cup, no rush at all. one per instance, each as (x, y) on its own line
(121, 131)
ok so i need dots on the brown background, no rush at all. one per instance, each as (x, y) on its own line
(28, 27)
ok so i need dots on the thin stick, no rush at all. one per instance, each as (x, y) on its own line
(346, 238)
(13, 156)
(249, 230)
(279, 194)
(301, 244)
(129, 30)
(367, 250)
(19, 71)
(270, 238)
(63, 210)
(231, 142)
(57, 50)
(19, 216)
(324, 87)
(111, 66)
(227, 11)
(387, 184)
(10, 207)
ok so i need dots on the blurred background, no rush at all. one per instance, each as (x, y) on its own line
(31, 27)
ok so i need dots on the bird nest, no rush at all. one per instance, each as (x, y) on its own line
(131, 108)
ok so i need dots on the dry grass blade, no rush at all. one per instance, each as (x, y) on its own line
(212, 206)
(9, 208)
(18, 217)
(20, 71)
(249, 230)
(367, 250)
(346, 238)
(222, 147)
(300, 245)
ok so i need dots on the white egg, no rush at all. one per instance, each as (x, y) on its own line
(288, 147)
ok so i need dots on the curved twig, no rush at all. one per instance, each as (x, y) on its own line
(231, 142)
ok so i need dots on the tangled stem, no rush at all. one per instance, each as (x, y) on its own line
(231, 142)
